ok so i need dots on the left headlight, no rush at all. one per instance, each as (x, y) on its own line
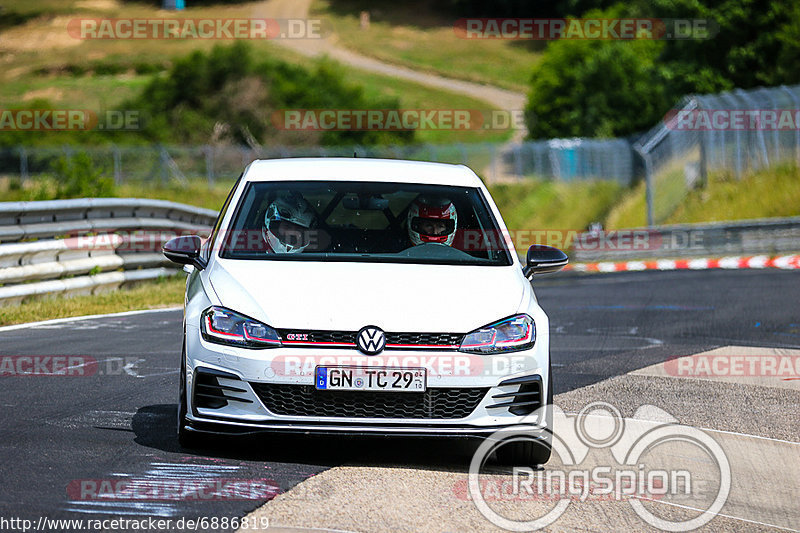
(508, 335)
(223, 326)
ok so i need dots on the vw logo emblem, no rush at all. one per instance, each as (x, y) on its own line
(370, 340)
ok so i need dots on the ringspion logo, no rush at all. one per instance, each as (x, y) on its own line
(641, 460)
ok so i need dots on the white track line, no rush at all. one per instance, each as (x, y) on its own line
(86, 317)
(736, 433)
(717, 514)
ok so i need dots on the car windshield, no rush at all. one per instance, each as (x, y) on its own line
(364, 221)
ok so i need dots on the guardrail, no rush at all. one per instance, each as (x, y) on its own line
(745, 237)
(88, 245)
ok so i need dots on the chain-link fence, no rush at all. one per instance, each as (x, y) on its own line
(568, 160)
(557, 159)
(737, 131)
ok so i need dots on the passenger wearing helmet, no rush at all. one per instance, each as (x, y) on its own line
(287, 224)
(432, 220)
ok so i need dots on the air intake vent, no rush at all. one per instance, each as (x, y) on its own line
(525, 400)
(209, 394)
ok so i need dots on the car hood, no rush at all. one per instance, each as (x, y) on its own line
(348, 296)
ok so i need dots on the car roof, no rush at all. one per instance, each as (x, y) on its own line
(360, 169)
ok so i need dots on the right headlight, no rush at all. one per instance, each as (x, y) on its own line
(508, 335)
(223, 326)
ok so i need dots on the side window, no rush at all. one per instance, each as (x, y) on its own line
(211, 242)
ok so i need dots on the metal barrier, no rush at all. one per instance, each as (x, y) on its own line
(84, 246)
(109, 243)
(736, 131)
(746, 237)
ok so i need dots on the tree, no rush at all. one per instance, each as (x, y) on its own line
(585, 88)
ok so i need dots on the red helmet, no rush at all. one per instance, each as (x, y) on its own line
(432, 220)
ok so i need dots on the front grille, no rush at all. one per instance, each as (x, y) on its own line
(310, 337)
(317, 336)
(306, 400)
(430, 339)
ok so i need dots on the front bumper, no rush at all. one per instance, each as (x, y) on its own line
(238, 428)
(511, 391)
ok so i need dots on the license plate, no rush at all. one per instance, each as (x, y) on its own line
(370, 378)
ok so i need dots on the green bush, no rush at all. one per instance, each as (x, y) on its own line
(78, 177)
(752, 43)
(620, 88)
(227, 94)
(585, 88)
(10, 18)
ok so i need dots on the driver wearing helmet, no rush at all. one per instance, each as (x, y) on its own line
(432, 220)
(287, 224)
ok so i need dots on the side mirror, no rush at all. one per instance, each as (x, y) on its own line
(185, 250)
(543, 259)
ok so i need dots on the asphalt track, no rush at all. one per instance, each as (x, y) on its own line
(119, 422)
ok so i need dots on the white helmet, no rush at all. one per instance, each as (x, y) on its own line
(295, 210)
(432, 220)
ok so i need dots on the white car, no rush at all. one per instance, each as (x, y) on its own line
(363, 296)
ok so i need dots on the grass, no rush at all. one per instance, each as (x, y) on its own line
(631, 211)
(68, 92)
(147, 295)
(774, 192)
(771, 193)
(529, 205)
(59, 55)
(415, 96)
(193, 192)
(25, 7)
(415, 35)
(549, 205)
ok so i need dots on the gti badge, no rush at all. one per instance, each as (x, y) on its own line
(370, 340)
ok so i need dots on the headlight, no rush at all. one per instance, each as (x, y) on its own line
(223, 326)
(508, 335)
